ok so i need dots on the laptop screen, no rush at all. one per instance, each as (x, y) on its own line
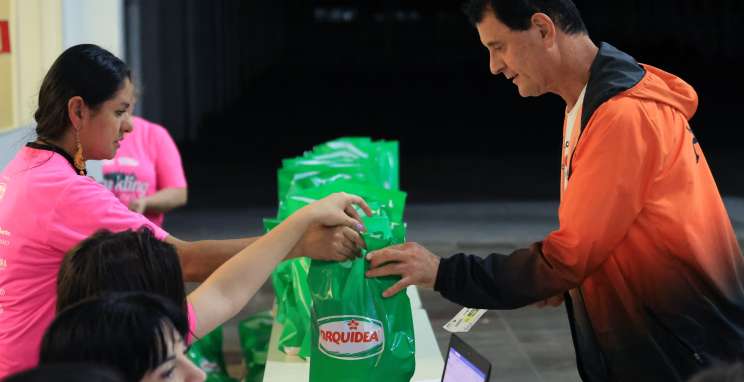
(460, 369)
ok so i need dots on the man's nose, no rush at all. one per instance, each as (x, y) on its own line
(496, 66)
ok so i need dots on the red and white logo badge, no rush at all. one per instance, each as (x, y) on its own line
(350, 337)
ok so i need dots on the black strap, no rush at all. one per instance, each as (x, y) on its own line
(58, 150)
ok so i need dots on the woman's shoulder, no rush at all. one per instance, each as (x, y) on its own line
(40, 167)
(47, 182)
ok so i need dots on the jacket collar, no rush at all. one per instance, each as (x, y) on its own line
(611, 73)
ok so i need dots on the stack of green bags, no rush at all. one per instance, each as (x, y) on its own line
(255, 333)
(311, 295)
(351, 165)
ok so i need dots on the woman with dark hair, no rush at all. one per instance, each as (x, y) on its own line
(139, 334)
(48, 205)
(127, 261)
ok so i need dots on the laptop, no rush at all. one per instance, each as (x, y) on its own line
(464, 364)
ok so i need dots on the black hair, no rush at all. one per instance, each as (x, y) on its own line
(517, 14)
(85, 70)
(68, 372)
(126, 261)
(127, 331)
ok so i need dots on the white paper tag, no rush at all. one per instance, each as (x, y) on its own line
(464, 320)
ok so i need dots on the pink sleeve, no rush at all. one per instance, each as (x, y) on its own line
(192, 323)
(86, 207)
(168, 166)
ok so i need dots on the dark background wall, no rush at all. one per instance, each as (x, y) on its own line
(242, 84)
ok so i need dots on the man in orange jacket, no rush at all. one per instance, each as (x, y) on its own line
(645, 254)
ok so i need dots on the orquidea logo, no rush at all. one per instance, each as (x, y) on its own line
(350, 337)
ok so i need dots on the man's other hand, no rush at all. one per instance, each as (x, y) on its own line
(414, 264)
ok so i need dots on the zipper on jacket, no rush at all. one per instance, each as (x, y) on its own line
(697, 356)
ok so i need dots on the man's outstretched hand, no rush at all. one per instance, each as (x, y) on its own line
(414, 264)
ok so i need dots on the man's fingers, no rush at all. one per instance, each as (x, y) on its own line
(384, 255)
(337, 257)
(342, 253)
(347, 249)
(392, 269)
(346, 246)
(397, 287)
(354, 237)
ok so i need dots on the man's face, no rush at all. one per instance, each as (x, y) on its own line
(518, 55)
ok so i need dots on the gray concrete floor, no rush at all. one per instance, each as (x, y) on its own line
(527, 344)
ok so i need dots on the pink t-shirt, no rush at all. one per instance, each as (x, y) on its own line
(192, 323)
(147, 162)
(45, 210)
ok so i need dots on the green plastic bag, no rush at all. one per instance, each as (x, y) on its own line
(293, 302)
(293, 306)
(384, 155)
(357, 334)
(355, 165)
(392, 202)
(206, 353)
(357, 159)
(255, 333)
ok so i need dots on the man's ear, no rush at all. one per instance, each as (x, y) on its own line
(545, 26)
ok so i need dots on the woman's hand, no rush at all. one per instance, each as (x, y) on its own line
(138, 205)
(338, 209)
(337, 243)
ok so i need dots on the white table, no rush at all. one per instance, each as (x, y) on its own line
(413, 295)
(429, 364)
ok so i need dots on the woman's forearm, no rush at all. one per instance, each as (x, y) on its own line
(165, 200)
(199, 259)
(233, 284)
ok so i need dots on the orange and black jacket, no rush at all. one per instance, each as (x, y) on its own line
(645, 252)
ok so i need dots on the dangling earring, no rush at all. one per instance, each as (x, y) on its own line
(79, 160)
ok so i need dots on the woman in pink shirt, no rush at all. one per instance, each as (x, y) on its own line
(48, 205)
(146, 174)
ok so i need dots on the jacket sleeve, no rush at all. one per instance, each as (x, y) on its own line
(613, 167)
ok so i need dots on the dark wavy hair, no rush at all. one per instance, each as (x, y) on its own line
(126, 261)
(517, 14)
(127, 331)
(85, 70)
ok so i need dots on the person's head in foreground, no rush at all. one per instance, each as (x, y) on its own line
(141, 335)
(127, 261)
